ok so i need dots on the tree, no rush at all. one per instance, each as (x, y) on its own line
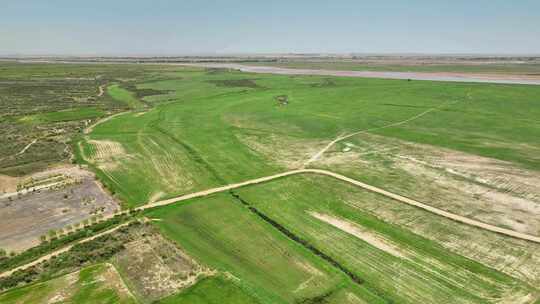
(52, 234)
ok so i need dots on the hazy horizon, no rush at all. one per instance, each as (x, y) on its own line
(219, 28)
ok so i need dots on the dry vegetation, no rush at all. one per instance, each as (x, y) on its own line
(155, 268)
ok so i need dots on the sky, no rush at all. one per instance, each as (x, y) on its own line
(190, 27)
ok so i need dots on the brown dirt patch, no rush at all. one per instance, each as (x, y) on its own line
(489, 190)
(8, 183)
(365, 235)
(155, 268)
(71, 200)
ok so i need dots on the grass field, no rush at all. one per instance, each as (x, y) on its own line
(268, 266)
(311, 239)
(389, 66)
(397, 264)
(215, 290)
(65, 115)
(216, 123)
(124, 96)
(95, 284)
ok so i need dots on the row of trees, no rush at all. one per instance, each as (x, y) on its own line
(54, 234)
(4, 254)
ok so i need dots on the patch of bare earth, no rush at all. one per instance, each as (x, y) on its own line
(50, 200)
(8, 184)
(288, 152)
(489, 190)
(107, 153)
(364, 234)
(167, 165)
(155, 268)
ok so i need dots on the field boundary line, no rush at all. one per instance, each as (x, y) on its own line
(396, 197)
(27, 147)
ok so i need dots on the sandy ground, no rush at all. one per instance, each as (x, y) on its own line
(366, 235)
(26, 217)
(101, 90)
(8, 184)
(435, 76)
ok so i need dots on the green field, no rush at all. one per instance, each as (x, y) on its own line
(398, 264)
(306, 238)
(124, 96)
(96, 284)
(65, 115)
(219, 124)
(227, 237)
(211, 291)
(394, 264)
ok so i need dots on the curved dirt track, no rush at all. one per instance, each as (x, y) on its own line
(431, 76)
(340, 138)
(397, 197)
(91, 127)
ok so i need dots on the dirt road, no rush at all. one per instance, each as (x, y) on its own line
(397, 197)
(89, 129)
(340, 138)
(432, 76)
(59, 251)
(27, 147)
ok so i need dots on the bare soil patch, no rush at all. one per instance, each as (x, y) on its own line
(73, 199)
(155, 268)
(367, 236)
(489, 190)
(8, 183)
(107, 153)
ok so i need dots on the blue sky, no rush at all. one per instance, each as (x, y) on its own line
(116, 27)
